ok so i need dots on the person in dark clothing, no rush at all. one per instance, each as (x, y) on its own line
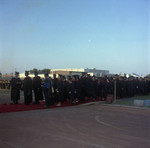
(90, 88)
(102, 88)
(129, 88)
(60, 90)
(37, 82)
(146, 86)
(141, 87)
(15, 88)
(65, 89)
(71, 91)
(95, 85)
(82, 83)
(54, 84)
(78, 89)
(3, 84)
(47, 88)
(122, 88)
(27, 87)
(0, 84)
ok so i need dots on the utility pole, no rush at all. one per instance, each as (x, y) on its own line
(115, 91)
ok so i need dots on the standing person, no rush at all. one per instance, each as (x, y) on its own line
(54, 83)
(77, 86)
(65, 94)
(71, 91)
(47, 88)
(37, 82)
(27, 87)
(15, 88)
(90, 88)
(60, 90)
(0, 84)
(95, 85)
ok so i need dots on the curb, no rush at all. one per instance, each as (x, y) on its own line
(86, 104)
(100, 102)
(91, 103)
(136, 107)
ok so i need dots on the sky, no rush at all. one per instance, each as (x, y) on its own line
(103, 34)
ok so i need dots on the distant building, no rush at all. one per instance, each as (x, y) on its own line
(96, 72)
(80, 72)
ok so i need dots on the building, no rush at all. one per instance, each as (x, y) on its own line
(80, 72)
(96, 72)
(71, 72)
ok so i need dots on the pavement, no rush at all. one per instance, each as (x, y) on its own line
(5, 99)
(89, 126)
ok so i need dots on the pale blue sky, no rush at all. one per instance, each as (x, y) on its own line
(104, 34)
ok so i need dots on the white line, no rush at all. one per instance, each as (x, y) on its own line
(106, 124)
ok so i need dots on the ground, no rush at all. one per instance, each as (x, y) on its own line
(84, 126)
(91, 126)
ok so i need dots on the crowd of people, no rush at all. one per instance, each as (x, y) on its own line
(74, 88)
(4, 84)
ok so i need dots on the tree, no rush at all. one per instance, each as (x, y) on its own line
(148, 76)
(45, 70)
(42, 71)
(33, 70)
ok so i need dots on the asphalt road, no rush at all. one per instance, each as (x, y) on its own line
(92, 126)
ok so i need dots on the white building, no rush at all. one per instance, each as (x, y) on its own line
(72, 71)
(92, 72)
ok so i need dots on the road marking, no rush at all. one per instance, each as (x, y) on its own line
(104, 123)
